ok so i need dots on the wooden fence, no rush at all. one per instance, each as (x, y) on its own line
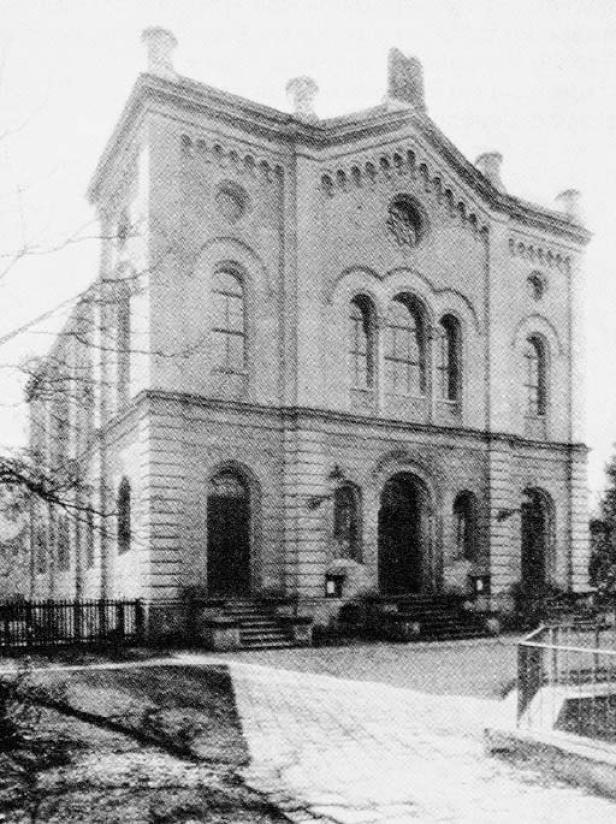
(40, 624)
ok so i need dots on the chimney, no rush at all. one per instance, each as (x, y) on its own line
(160, 44)
(568, 202)
(405, 80)
(489, 164)
(301, 92)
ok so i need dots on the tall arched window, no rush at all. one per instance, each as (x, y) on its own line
(41, 548)
(347, 529)
(361, 343)
(63, 544)
(405, 354)
(124, 516)
(123, 332)
(465, 525)
(536, 376)
(449, 364)
(229, 327)
(89, 537)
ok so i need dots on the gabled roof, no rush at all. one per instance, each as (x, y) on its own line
(284, 128)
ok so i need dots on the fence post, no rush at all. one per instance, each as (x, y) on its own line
(139, 619)
(77, 619)
(102, 620)
(28, 620)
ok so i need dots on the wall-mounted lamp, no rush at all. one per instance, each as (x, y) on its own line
(504, 514)
(315, 501)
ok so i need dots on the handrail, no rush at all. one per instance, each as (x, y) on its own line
(590, 650)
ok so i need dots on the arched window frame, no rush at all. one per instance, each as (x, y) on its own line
(229, 327)
(406, 347)
(536, 376)
(63, 544)
(40, 537)
(465, 525)
(89, 537)
(362, 342)
(123, 341)
(124, 516)
(347, 523)
(449, 358)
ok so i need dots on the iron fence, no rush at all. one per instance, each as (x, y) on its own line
(567, 680)
(39, 624)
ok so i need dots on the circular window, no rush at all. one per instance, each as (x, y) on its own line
(405, 221)
(232, 201)
(536, 285)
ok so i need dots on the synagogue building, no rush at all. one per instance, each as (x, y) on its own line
(321, 358)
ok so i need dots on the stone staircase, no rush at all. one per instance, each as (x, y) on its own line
(440, 617)
(259, 626)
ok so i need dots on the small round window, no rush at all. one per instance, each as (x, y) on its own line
(405, 221)
(536, 285)
(232, 201)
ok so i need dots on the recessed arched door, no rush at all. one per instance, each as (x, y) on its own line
(228, 535)
(536, 532)
(403, 538)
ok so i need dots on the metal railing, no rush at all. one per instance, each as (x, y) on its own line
(567, 680)
(39, 624)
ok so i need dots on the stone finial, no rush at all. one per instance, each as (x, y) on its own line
(301, 92)
(489, 164)
(568, 202)
(405, 80)
(160, 44)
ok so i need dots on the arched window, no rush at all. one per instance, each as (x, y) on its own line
(465, 525)
(536, 376)
(229, 328)
(63, 544)
(124, 516)
(405, 353)
(347, 531)
(361, 343)
(449, 358)
(123, 339)
(41, 548)
(89, 537)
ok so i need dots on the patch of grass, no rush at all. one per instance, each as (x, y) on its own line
(113, 776)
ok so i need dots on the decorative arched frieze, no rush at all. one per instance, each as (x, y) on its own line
(540, 255)
(199, 150)
(392, 165)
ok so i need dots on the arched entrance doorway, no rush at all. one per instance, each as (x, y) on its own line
(536, 530)
(228, 535)
(403, 540)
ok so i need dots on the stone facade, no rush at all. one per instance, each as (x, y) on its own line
(307, 232)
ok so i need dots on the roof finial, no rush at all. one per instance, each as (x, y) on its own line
(160, 44)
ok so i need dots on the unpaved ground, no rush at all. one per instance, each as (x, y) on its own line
(106, 776)
(483, 667)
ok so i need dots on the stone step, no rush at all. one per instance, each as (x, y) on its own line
(257, 644)
(273, 633)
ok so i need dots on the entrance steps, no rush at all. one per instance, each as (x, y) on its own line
(439, 617)
(259, 627)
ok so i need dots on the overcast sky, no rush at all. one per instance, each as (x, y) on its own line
(534, 79)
